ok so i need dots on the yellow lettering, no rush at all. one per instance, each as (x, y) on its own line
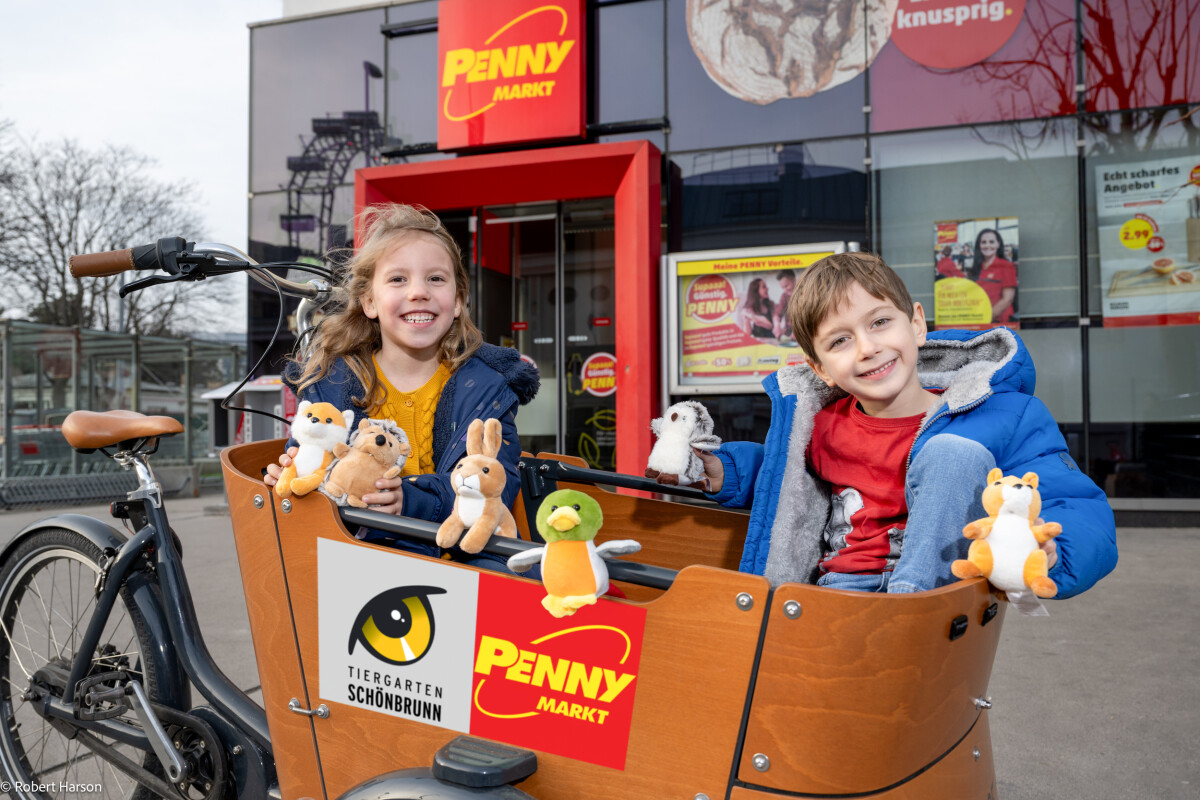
(458, 62)
(500, 93)
(520, 671)
(558, 53)
(531, 59)
(547, 668)
(549, 87)
(615, 683)
(494, 653)
(502, 63)
(479, 70)
(580, 677)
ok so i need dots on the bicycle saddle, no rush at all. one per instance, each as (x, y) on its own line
(91, 430)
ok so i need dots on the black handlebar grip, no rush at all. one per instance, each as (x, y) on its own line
(113, 262)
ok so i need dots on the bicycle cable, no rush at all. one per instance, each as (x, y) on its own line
(274, 337)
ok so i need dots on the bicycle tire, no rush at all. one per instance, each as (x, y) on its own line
(46, 596)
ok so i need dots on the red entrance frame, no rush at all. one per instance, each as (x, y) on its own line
(630, 173)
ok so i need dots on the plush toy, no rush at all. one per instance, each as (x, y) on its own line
(573, 569)
(478, 481)
(1005, 546)
(378, 449)
(317, 427)
(684, 426)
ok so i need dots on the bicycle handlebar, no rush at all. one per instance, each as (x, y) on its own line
(183, 260)
(114, 262)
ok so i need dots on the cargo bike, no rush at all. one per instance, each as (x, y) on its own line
(387, 674)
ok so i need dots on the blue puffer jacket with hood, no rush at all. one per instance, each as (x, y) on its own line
(987, 378)
(491, 384)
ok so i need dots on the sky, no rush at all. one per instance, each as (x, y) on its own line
(168, 78)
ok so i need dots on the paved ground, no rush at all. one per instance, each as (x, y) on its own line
(1097, 701)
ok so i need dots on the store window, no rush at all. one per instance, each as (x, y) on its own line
(312, 87)
(938, 193)
(1140, 53)
(412, 68)
(778, 74)
(1143, 238)
(412, 89)
(773, 194)
(629, 41)
(932, 74)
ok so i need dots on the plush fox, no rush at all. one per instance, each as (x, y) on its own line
(318, 427)
(1005, 545)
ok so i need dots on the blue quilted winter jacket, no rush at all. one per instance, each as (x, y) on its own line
(988, 381)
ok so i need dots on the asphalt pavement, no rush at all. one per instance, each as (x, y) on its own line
(1096, 701)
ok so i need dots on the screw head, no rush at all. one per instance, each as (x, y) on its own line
(976, 753)
(258, 501)
(791, 609)
(700, 796)
(761, 762)
(286, 505)
(237, 749)
(745, 601)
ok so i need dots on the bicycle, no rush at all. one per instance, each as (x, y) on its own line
(99, 646)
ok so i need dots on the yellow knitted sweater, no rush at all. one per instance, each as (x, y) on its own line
(413, 411)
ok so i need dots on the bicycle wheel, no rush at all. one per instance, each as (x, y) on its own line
(47, 597)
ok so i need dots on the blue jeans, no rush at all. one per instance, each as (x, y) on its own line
(944, 491)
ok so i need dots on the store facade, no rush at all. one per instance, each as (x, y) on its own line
(1057, 135)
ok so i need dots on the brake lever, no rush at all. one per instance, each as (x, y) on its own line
(147, 282)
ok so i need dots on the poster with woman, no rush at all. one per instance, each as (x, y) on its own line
(727, 314)
(975, 273)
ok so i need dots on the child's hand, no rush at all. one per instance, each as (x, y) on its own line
(714, 470)
(389, 499)
(275, 470)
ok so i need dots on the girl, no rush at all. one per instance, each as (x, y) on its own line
(404, 348)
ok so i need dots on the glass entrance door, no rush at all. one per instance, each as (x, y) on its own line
(543, 279)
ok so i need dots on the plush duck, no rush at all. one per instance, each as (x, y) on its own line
(573, 569)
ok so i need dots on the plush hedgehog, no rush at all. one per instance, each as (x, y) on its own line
(377, 449)
(684, 426)
(318, 428)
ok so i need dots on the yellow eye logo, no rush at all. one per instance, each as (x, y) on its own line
(396, 626)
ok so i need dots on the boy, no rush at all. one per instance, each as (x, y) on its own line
(879, 447)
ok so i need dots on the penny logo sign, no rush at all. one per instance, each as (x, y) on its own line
(710, 299)
(509, 71)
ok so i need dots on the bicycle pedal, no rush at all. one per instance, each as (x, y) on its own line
(101, 696)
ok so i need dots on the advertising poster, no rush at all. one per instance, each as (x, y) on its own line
(1148, 225)
(474, 652)
(975, 264)
(732, 312)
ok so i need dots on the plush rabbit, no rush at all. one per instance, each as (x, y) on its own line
(479, 481)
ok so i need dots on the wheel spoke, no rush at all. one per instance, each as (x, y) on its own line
(47, 602)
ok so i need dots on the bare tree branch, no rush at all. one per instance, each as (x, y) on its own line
(59, 199)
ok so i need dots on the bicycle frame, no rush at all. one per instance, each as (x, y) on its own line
(152, 550)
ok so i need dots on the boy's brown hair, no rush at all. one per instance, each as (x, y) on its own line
(823, 286)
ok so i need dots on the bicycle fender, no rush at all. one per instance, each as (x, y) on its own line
(419, 784)
(174, 689)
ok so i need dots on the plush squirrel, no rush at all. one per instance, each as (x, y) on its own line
(377, 449)
(318, 427)
(573, 569)
(1005, 545)
(684, 426)
(479, 481)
